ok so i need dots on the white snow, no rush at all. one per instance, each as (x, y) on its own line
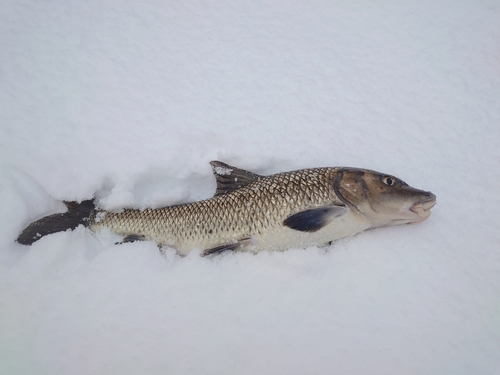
(130, 100)
(223, 171)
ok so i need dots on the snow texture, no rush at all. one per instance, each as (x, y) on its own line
(130, 100)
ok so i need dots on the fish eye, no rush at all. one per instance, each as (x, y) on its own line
(389, 181)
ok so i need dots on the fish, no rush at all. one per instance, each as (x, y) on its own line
(251, 212)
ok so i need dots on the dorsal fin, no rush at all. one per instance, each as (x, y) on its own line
(230, 178)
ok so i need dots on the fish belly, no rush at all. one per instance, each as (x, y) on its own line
(282, 237)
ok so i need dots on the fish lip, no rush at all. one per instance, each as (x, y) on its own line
(423, 208)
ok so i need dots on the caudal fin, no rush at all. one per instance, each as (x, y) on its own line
(78, 213)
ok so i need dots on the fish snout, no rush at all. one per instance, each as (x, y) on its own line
(429, 196)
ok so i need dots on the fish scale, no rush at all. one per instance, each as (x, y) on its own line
(257, 208)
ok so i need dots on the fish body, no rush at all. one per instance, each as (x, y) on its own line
(293, 209)
(251, 216)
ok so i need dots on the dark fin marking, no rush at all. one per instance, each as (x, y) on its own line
(314, 219)
(230, 178)
(221, 248)
(131, 238)
(78, 213)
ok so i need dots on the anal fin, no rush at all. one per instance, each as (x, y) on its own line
(131, 238)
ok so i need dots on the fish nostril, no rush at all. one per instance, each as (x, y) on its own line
(430, 196)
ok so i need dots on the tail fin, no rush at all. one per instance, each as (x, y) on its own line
(78, 213)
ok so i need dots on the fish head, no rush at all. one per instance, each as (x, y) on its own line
(383, 199)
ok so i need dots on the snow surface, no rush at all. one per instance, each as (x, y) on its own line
(130, 100)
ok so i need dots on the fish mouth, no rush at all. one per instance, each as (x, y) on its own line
(423, 209)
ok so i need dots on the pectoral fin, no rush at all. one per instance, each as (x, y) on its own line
(314, 219)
